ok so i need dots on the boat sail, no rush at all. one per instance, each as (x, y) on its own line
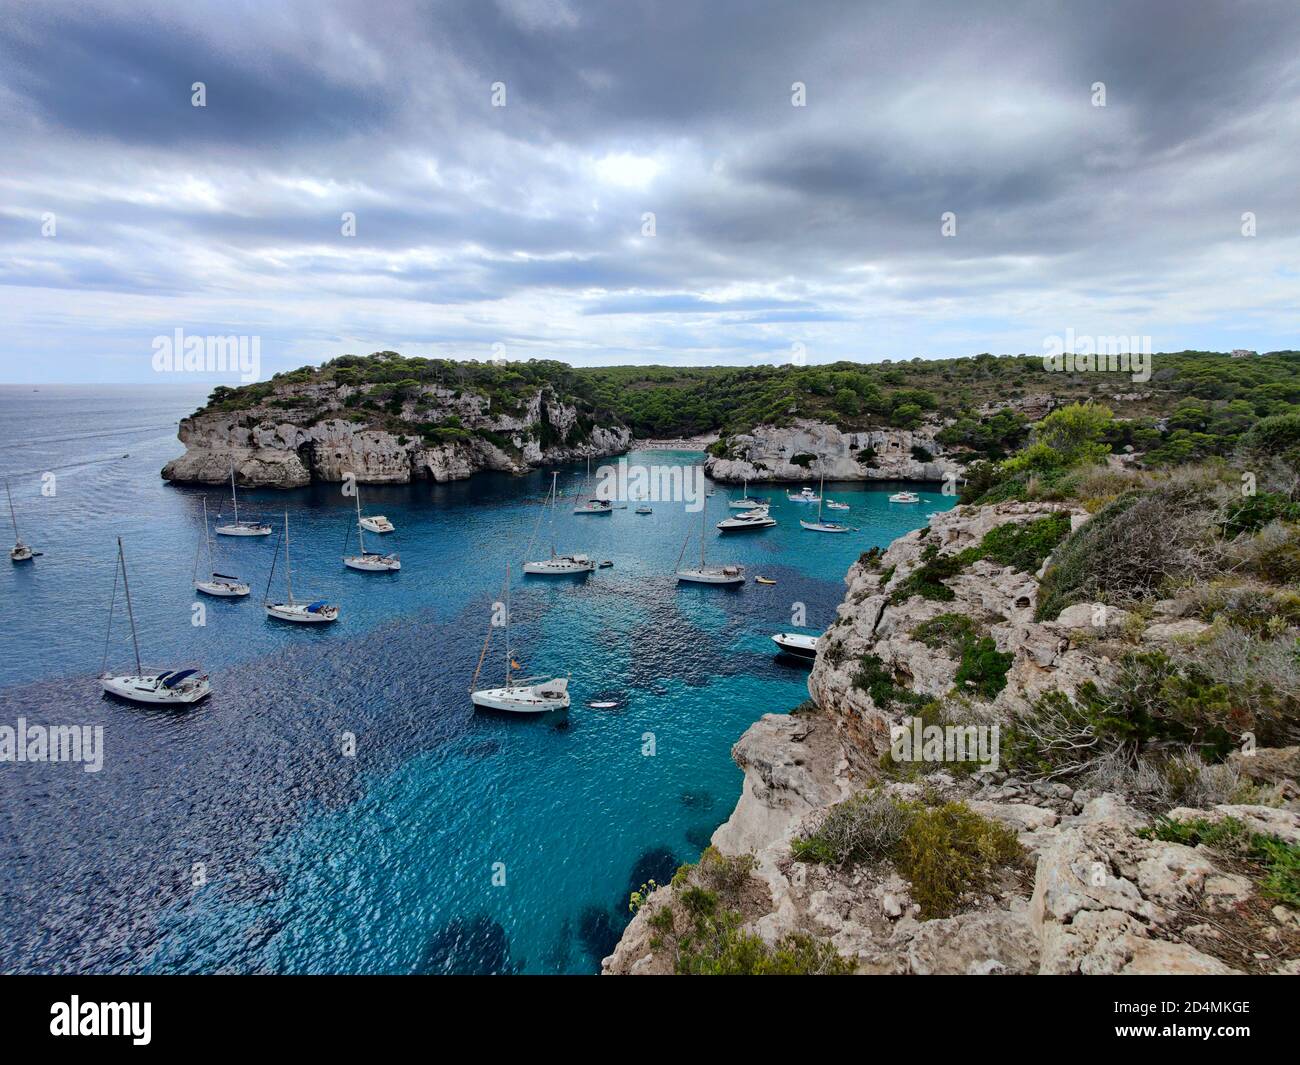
(165, 686)
(819, 525)
(367, 561)
(20, 552)
(705, 574)
(557, 565)
(316, 612)
(529, 695)
(220, 584)
(237, 527)
(591, 505)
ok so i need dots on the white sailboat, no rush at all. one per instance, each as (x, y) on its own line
(529, 695)
(745, 502)
(558, 565)
(20, 552)
(819, 525)
(591, 505)
(220, 584)
(367, 561)
(705, 574)
(758, 518)
(313, 613)
(165, 686)
(237, 527)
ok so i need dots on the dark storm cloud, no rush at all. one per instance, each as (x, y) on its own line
(772, 223)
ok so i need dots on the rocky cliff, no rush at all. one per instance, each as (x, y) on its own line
(802, 451)
(301, 433)
(1094, 891)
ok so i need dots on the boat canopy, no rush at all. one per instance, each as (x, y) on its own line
(317, 606)
(225, 577)
(176, 678)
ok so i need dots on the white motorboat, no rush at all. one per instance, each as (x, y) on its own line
(758, 518)
(820, 525)
(20, 552)
(796, 644)
(833, 505)
(159, 686)
(237, 527)
(745, 502)
(367, 561)
(218, 584)
(529, 695)
(804, 495)
(316, 612)
(905, 497)
(645, 508)
(557, 565)
(377, 523)
(704, 573)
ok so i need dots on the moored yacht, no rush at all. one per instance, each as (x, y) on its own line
(237, 527)
(314, 613)
(821, 525)
(158, 686)
(218, 584)
(905, 497)
(368, 561)
(20, 552)
(758, 518)
(703, 573)
(804, 495)
(377, 523)
(796, 644)
(529, 695)
(591, 505)
(557, 565)
(745, 502)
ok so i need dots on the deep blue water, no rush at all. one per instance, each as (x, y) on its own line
(382, 862)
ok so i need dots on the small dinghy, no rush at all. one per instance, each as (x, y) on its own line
(314, 613)
(604, 704)
(166, 687)
(764, 580)
(222, 585)
(237, 527)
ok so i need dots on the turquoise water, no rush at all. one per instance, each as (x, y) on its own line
(453, 840)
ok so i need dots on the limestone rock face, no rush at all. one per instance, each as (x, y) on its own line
(300, 434)
(767, 453)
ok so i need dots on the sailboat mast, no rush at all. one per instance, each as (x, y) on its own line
(554, 475)
(207, 535)
(361, 533)
(288, 571)
(121, 557)
(12, 516)
(704, 526)
(821, 495)
(507, 640)
(234, 498)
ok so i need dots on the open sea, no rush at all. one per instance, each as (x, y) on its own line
(236, 836)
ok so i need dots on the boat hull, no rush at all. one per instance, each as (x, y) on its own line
(814, 526)
(146, 689)
(556, 568)
(516, 700)
(368, 564)
(300, 614)
(243, 530)
(695, 576)
(593, 510)
(23, 554)
(796, 645)
(222, 589)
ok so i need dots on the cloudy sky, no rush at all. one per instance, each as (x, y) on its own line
(520, 229)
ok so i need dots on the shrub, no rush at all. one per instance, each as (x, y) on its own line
(927, 579)
(948, 631)
(1273, 553)
(1251, 513)
(949, 852)
(873, 678)
(983, 669)
(921, 454)
(1024, 545)
(1278, 862)
(864, 828)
